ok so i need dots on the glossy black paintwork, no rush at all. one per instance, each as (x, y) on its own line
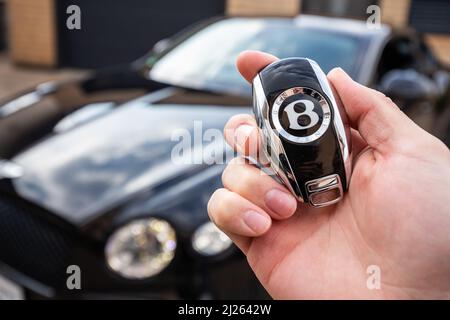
(98, 173)
(314, 159)
(123, 152)
(25, 127)
(93, 163)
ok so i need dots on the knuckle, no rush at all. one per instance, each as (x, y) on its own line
(226, 175)
(237, 119)
(213, 201)
(220, 199)
(237, 160)
(229, 172)
(237, 175)
(246, 181)
(391, 103)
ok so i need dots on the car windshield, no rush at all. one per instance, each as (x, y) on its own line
(206, 59)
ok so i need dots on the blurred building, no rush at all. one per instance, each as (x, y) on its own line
(116, 31)
(431, 17)
(112, 31)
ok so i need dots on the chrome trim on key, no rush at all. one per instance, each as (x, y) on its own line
(342, 135)
(268, 137)
(329, 185)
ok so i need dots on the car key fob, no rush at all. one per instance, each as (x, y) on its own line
(302, 130)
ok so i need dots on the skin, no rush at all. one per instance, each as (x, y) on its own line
(395, 215)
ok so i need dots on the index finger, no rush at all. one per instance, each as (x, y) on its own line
(241, 131)
(250, 62)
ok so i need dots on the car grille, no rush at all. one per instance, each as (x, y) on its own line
(32, 245)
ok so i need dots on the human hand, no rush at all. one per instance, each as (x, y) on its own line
(396, 214)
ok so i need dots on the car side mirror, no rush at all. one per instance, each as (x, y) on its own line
(161, 45)
(408, 86)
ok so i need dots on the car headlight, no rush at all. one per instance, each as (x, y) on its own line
(141, 249)
(208, 240)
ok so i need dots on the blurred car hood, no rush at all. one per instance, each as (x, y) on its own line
(94, 167)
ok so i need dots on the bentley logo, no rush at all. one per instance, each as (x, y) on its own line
(294, 115)
(303, 121)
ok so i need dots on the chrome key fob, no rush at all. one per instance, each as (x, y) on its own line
(302, 130)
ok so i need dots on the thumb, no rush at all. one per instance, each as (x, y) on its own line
(379, 121)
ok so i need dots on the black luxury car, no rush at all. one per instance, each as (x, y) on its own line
(87, 175)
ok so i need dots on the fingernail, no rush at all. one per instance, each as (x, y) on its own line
(256, 221)
(242, 134)
(280, 202)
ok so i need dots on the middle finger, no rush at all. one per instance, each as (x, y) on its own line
(259, 188)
